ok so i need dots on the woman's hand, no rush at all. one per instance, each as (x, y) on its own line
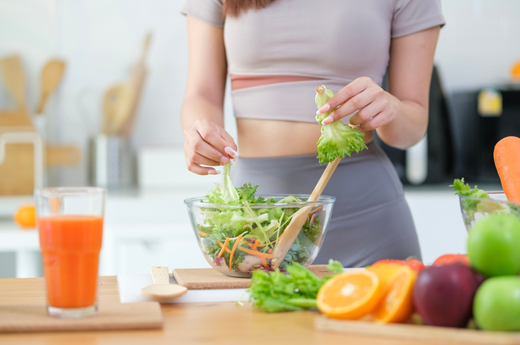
(206, 143)
(374, 107)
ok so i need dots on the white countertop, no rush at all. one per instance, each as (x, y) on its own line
(155, 225)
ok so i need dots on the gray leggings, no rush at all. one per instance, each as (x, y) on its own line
(371, 219)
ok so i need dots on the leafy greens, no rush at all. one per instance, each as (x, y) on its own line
(472, 204)
(337, 139)
(249, 233)
(294, 291)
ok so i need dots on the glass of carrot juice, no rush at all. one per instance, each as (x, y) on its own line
(70, 226)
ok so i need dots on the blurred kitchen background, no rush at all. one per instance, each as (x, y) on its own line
(112, 75)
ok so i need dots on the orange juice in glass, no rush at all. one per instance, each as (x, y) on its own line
(70, 226)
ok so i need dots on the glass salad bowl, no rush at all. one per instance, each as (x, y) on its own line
(473, 208)
(237, 239)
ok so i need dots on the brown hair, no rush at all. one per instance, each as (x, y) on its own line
(234, 8)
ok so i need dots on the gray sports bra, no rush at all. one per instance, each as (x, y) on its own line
(334, 41)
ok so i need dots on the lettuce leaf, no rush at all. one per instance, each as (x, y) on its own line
(337, 139)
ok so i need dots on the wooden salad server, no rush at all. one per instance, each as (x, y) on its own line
(293, 229)
(161, 287)
(51, 75)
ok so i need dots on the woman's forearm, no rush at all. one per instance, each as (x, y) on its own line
(408, 125)
(197, 107)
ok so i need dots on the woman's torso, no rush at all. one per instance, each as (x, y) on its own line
(330, 42)
(333, 42)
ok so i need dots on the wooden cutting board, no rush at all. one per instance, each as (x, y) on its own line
(415, 332)
(112, 316)
(208, 278)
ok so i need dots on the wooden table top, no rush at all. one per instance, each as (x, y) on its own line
(196, 323)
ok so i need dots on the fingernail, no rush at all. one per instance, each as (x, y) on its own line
(213, 172)
(327, 120)
(231, 152)
(323, 109)
(224, 159)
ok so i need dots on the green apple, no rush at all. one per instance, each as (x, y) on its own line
(496, 306)
(494, 245)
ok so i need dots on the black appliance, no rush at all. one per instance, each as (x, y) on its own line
(438, 152)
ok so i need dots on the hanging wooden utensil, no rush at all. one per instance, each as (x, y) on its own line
(136, 86)
(14, 79)
(51, 75)
(293, 229)
(116, 107)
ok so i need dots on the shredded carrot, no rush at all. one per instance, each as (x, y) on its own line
(264, 262)
(270, 251)
(203, 234)
(233, 250)
(315, 210)
(256, 253)
(266, 244)
(256, 244)
(224, 247)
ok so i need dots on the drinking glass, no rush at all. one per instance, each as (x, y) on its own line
(70, 226)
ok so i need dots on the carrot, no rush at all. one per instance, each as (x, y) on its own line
(264, 262)
(315, 210)
(256, 253)
(224, 247)
(270, 251)
(266, 244)
(256, 244)
(507, 162)
(233, 250)
(202, 234)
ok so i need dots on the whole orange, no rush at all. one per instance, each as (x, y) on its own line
(25, 216)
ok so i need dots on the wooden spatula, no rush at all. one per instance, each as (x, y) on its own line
(161, 287)
(136, 85)
(293, 229)
(51, 76)
(117, 107)
(14, 79)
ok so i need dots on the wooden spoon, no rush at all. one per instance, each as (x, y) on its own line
(293, 229)
(161, 287)
(52, 73)
(14, 79)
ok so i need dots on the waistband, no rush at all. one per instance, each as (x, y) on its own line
(289, 101)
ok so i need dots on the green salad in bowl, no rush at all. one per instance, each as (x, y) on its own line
(238, 230)
(476, 203)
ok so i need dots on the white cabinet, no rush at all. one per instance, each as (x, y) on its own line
(134, 248)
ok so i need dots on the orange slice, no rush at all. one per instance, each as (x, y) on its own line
(350, 295)
(385, 271)
(396, 305)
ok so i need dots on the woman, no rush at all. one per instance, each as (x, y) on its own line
(276, 52)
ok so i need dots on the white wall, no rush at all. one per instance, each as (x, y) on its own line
(100, 39)
(479, 43)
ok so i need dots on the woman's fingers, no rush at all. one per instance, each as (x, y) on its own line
(200, 146)
(368, 112)
(346, 93)
(194, 161)
(207, 144)
(212, 134)
(193, 156)
(358, 102)
(376, 121)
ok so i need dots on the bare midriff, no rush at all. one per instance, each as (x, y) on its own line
(275, 138)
